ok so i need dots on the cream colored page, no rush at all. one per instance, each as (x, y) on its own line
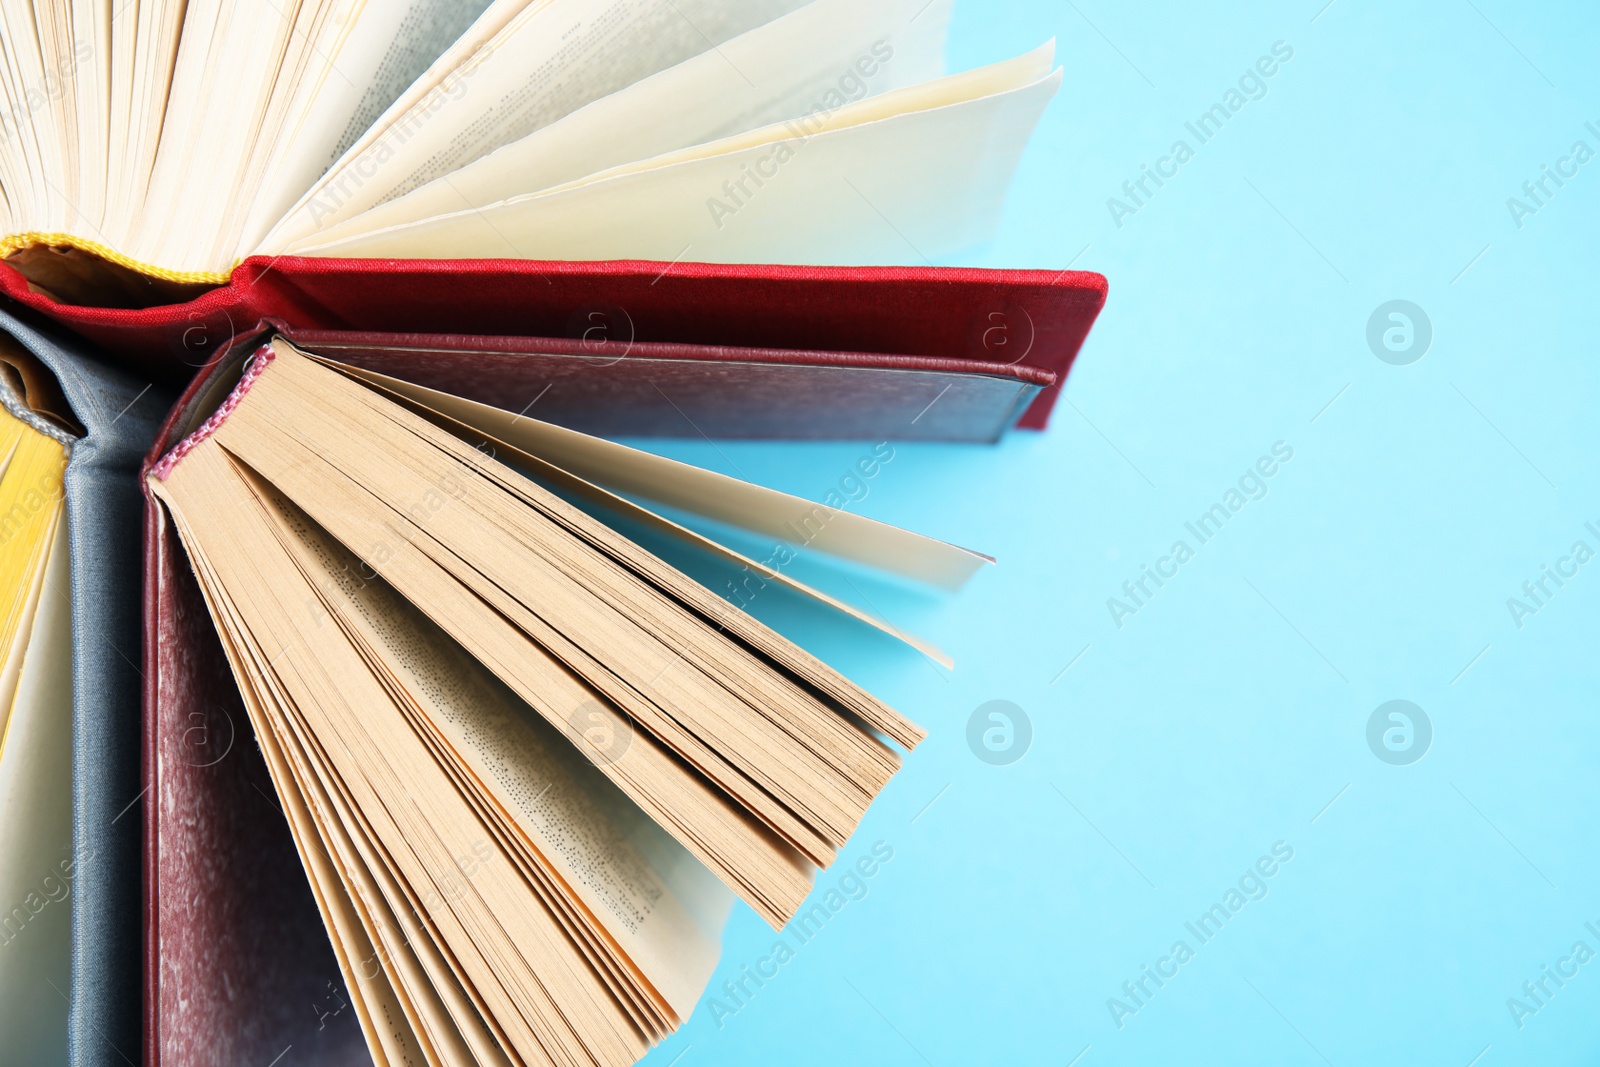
(493, 932)
(242, 65)
(550, 60)
(422, 100)
(36, 861)
(229, 57)
(33, 134)
(912, 187)
(319, 56)
(390, 1037)
(383, 50)
(123, 33)
(54, 110)
(155, 25)
(965, 87)
(88, 61)
(16, 176)
(621, 505)
(169, 113)
(716, 496)
(595, 838)
(817, 59)
(309, 57)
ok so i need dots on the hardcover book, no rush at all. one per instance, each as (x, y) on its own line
(70, 790)
(527, 765)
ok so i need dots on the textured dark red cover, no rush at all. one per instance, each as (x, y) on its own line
(982, 318)
(669, 389)
(238, 966)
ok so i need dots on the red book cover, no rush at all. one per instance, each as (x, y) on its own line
(1026, 325)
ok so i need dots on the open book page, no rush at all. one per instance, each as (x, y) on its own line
(778, 756)
(419, 101)
(28, 122)
(142, 62)
(415, 993)
(814, 60)
(53, 108)
(378, 951)
(551, 59)
(874, 184)
(387, 46)
(84, 56)
(383, 1015)
(32, 467)
(777, 725)
(36, 859)
(310, 57)
(229, 56)
(626, 509)
(446, 1017)
(123, 30)
(511, 939)
(245, 75)
(667, 921)
(406, 997)
(693, 489)
(70, 100)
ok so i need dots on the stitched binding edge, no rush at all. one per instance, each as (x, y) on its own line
(263, 356)
(30, 418)
(20, 241)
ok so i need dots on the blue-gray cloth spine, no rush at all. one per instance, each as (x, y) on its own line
(105, 529)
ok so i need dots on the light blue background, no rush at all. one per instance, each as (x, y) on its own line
(1231, 710)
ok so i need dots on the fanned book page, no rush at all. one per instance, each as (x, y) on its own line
(36, 858)
(178, 138)
(527, 764)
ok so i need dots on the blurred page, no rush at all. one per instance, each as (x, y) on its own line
(875, 182)
(551, 59)
(385, 49)
(815, 60)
